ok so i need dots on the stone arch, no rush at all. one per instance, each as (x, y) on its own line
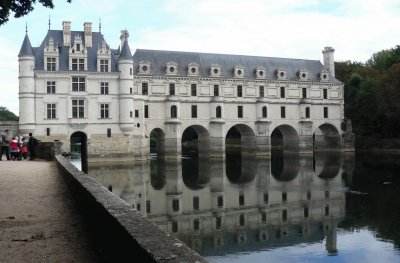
(284, 166)
(196, 140)
(285, 138)
(157, 173)
(78, 142)
(326, 137)
(242, 138)
(157, 142)
(195, 173)
(327, 164)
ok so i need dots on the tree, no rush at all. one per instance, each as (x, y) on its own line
(20, 8)
(6, 115)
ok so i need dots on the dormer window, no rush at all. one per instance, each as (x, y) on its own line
(261, 73)
(303, 75)
(193, 69)
(171, 68)
(215, 70)
(104, 65)
(78, 47)
(324, 75)
(51, 56)
(144, 67)
(78, 64)
(51, 64)
(239, 71)
(77, 55)
(281, 74)
(104, 58)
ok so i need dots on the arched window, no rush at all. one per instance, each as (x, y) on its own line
(218, 112)
(173, 112)
(308, 112)
(264, 112)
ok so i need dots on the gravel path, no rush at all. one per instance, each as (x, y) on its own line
(39, 219)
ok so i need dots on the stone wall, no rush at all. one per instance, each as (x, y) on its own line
(124, 230)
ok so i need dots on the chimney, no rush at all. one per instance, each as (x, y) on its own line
(124, 35)
(329, 62)
(88, 34)
(66, 33)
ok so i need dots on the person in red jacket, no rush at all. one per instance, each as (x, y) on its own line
(14, 149)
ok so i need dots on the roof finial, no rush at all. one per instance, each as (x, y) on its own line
(49, 21)
(126, 35)
(99, 25)
(26, 27)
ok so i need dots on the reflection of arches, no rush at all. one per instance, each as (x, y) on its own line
(326, 137)
(240, 139)
(240, 170)
(79, 147)
(157, 173)
(284, 167)
(196, 141)
(195, 172)
(327, 165)
(284, 137)
(157, 142)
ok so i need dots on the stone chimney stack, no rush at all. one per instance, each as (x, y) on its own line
(124, 35)
(88, 34)
(329, 61)
(67, 33)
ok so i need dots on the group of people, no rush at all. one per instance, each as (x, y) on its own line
(16, 148)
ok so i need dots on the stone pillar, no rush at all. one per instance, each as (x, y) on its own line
(174, 182)
(173, 140)
(263, 140)
(305, 138)
(331, 239)
(217, 139)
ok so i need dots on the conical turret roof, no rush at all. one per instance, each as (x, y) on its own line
(126, 51)
(26, 48)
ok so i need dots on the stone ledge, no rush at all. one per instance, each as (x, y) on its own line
(128, 232)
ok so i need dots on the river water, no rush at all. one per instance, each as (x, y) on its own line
(332, 207)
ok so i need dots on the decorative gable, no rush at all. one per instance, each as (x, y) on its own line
(215, 70)
(171, 69)
(324, 75)
(193, 70)
(261, 72)
(281, 74)
(303, 75)
(144, 67)
(238, 71)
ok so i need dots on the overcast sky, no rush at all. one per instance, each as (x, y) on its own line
(284, 28)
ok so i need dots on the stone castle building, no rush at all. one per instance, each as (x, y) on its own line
(75, 86)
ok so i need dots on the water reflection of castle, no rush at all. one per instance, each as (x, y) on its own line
(219, 208)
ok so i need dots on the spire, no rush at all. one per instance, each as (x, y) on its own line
(100, 25)
(26, 48)
(49, 22)
(125, 51)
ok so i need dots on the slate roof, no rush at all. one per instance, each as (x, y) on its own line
(26, 48)
(159, 59)
(57, 36)
(126, 51)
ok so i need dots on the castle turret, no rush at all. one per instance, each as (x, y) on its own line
(26, 59)
(125, 64)
(329, 61)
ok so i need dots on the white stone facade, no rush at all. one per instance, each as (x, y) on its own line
(116, 100)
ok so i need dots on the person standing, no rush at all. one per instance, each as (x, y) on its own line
(14, 149)
(32, 143)
(5, 138)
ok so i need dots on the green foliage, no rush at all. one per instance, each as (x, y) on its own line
(6, 115)
(372, 93)
(20, 8)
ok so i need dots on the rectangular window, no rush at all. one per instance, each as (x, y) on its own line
(146, 111)
(136, 113)
(194, 89)
(74, 64)
(78, 84)
(109, 132)
(284, 215)
(175, 205)
(325, 94)
(308, 195)
(145, 88)
(196, 203)
(304, 91)
(51, 111)
(148, 207)
(325, 112)
(78, 109)
(130, 90)
(282, 92)
(81, 65)
(51, 64)
(239, 91)
(196, 224)
(104, 111)
(266, 198)
(283, 112)
(48, 131)
(216, 90)
(241, 219)
(220, 201)
(327, 210)
(103, 87)
(284, 197)
(264, 217)
(218, 222)
(51, 87)
(171, 88)
(241, 199)
(261, 91)
(240, 111)
(131, 114)
(174, 226)
(103, 65)
(78, 47)
(194, 111)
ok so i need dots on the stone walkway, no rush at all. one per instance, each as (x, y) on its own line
(39, 219)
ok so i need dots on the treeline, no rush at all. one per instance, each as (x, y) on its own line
(6, 115)
(372, 93)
